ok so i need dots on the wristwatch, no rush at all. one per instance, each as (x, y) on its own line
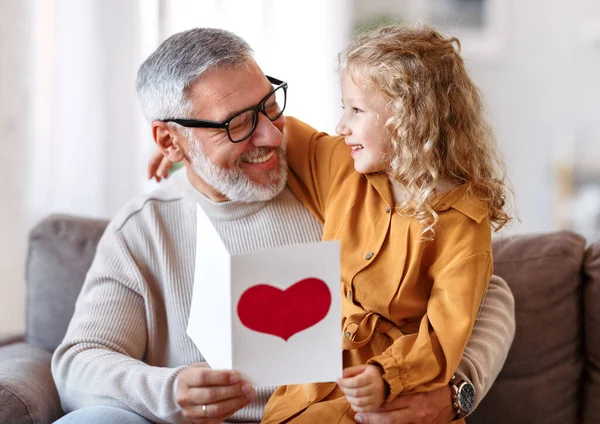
(463, 397)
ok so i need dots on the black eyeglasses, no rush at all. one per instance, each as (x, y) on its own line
(241, 125)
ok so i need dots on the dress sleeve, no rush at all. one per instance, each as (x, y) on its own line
(315, 161)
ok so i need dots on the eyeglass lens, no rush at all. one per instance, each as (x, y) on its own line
(242, 125)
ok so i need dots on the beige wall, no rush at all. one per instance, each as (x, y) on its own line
(542, 91)
(539, 74)
(15, 48)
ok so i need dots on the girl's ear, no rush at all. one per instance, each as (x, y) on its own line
(167, 140)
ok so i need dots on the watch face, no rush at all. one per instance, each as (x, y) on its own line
(466, 397)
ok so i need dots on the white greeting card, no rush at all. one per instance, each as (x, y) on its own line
(273, 315)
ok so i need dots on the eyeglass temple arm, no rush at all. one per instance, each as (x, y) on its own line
(193, 123)
(274, 80)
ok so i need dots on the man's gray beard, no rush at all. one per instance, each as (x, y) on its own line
(235, 184)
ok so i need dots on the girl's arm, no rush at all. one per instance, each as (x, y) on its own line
(316, 160)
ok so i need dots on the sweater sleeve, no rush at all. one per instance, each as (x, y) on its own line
(100, 360)
(425, 360)
(490, 341)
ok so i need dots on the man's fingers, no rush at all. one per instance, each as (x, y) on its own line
(202, 377)
(424, 408)
(400, 402)
(219, 410)
(206, 395)
(380, 418)
(209, 396)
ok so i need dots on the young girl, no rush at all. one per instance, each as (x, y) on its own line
(412, 190)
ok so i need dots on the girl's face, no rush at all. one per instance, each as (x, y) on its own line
(362, 126)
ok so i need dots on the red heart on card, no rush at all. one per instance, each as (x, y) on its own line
(283, 313)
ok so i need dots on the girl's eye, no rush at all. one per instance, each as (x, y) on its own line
(356, 110)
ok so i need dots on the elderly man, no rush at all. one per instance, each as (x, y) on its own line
(126, 357)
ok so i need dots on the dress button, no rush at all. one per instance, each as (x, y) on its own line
(388, 209)
(369, 255)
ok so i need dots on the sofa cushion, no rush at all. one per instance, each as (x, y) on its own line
(27, 391)
(61, 249)
(543, 374)
(591, 409)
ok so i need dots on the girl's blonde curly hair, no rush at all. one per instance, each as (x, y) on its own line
(437, 128)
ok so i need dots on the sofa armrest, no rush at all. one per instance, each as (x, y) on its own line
(11, 338)
(27, 390)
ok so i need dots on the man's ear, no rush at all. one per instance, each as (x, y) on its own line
(167, 140)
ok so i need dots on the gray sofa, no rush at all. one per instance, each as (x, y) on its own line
(552, 374)
(61, 249)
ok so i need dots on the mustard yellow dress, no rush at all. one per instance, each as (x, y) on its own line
(409, 305)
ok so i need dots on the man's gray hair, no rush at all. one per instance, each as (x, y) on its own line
(182, 58)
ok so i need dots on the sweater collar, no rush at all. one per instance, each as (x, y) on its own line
(216, 211)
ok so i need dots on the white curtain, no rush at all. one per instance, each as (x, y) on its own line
(90, 142)
(15, 120)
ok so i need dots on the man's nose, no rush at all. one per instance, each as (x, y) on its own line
(266, 133)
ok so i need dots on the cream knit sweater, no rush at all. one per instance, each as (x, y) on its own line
(127, 340)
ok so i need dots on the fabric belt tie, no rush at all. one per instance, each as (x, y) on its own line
(360, 326)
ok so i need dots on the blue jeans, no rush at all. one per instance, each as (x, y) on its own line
(102, 415)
